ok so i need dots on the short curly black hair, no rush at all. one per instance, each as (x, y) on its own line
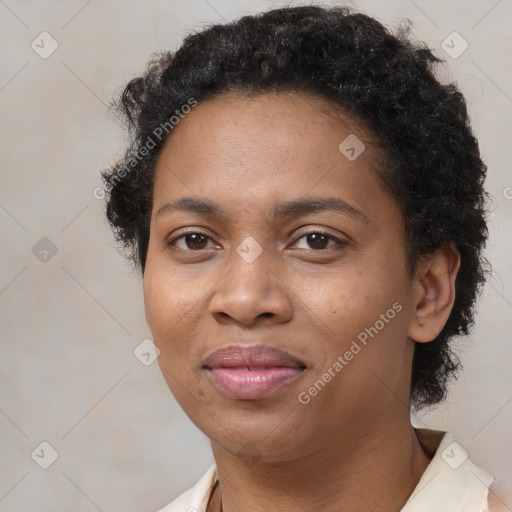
(385, 81)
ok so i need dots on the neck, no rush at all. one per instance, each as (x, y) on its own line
(377, 470)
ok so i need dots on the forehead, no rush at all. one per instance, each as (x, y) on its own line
(276, 111)
(292, 125)
(247, 148)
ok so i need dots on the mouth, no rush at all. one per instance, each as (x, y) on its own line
(251, 372)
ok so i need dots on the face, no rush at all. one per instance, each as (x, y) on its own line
(324, 281)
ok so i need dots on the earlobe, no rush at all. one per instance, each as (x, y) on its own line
(434, 294)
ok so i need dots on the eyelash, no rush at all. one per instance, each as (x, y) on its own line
(340, 243)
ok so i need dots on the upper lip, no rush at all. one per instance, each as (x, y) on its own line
(254, 356)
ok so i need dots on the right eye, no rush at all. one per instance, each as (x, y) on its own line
(193, 241)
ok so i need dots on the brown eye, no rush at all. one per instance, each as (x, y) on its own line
(192, 241)
(318, 241)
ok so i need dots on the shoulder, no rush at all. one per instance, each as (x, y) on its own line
(195, 498)
(500, 496)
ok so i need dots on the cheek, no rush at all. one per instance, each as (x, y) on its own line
(353, 301)
(165, 312)
(172, 305)
(164, 316)
(167, 299)
(155, 303)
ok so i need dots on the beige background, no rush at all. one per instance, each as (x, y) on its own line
(69, 326)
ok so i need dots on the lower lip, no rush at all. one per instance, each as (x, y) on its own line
(252, 384)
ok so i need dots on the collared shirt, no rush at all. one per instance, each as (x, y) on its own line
(450, 483)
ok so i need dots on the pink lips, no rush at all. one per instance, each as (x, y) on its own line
(251, 372)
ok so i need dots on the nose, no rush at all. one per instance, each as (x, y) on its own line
(252, 291)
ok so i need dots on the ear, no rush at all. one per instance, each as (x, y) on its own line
(433, 293)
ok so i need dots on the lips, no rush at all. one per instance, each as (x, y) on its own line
(251, 372)
(254, 356)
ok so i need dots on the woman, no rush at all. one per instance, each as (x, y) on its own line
(305, 202)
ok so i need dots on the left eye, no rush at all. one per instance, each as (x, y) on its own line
(318, 240)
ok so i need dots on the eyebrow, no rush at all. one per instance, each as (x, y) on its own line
(295, 207)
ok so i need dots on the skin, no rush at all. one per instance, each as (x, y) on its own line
(352, 447)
